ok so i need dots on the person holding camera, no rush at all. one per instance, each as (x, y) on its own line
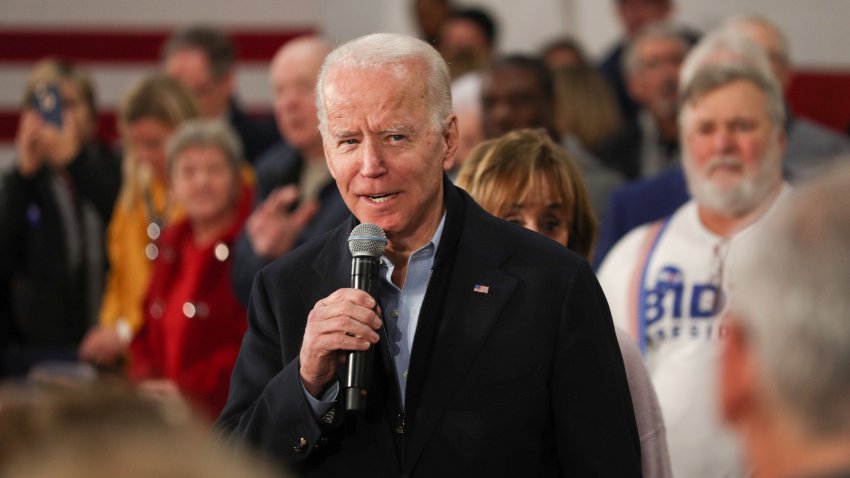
(54, 205)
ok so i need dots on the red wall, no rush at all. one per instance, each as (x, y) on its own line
(823, 96)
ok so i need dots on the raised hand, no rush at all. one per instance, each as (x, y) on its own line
(273, 228)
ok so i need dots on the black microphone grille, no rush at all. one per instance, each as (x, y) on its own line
(367, 240)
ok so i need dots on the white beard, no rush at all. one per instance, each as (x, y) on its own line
(742, 197)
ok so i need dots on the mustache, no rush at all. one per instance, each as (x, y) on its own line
(723, 161)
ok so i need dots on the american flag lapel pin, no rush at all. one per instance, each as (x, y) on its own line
(481, 289)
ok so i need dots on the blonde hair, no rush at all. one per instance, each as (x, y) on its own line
(585, 105)
(500, 171)
(157, 97)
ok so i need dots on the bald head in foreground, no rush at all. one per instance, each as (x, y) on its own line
(494, 348)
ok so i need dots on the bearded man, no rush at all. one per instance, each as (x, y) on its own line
(664, 281)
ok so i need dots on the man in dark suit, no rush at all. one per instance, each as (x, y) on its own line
(202, 59)
(297, 197)
(649, 143)
(633, 16)
(639, 202)
(495, 352)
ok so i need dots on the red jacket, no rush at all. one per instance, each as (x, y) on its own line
(193, 322)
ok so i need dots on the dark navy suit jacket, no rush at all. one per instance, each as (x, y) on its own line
(257, 134)
(523, 380)
(637, 203)
(279, 166)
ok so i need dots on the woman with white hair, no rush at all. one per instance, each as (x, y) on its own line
(193, 322)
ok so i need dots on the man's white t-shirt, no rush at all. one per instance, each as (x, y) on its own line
(664, 282)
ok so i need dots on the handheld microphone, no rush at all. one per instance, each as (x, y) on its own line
(367, 243)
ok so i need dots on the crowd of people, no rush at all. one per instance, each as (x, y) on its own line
(688, 237)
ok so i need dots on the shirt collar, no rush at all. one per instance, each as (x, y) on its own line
(430, 248)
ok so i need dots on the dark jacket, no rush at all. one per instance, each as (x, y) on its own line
(256, 134)
(279, 166)
(523, 380)
(51, 304)
(637, 203)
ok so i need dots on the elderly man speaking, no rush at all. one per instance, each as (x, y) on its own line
(495, 353)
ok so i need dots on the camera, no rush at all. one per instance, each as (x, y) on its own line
(48, 102)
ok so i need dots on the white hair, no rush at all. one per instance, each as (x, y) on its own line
(751, 190)
(397, 52)
(713, 75)
(736, 23)
(723, 45)
(205, 132)
(791, 294)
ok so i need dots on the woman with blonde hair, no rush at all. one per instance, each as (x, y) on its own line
(586, 115)
(527, 179)
(586, 108)
(150, 112)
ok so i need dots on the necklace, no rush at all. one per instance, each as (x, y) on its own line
(156, 223)
(718, 261)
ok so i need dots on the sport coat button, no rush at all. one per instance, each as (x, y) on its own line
(301, 446)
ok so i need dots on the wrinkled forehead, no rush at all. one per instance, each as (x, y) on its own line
(512, 77)
(373, 89)
(303, 58)
(189, 62)
(406, 75)
(296, 67)
(740, 98)
(654, 46)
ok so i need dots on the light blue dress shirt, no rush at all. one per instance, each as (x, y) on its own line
(400, 307)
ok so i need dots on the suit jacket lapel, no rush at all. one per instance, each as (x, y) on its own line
(454, 322)
(333, 263)
(455, 319)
